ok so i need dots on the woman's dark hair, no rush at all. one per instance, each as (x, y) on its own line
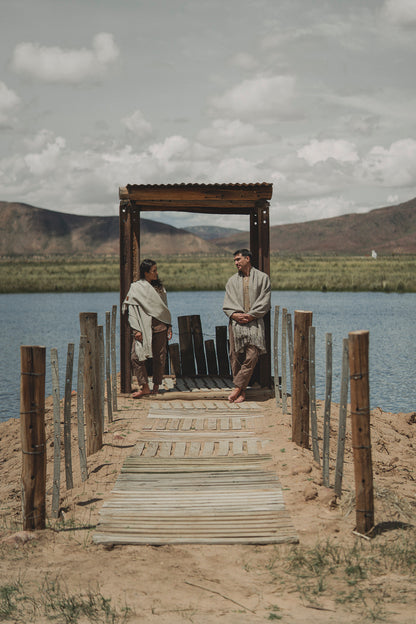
(145, 267)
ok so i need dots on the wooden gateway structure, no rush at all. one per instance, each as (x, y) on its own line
(223, 199)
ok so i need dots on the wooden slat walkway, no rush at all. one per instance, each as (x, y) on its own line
(197, 475)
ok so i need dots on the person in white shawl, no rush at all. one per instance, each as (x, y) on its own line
(246, 301)
(150, 321)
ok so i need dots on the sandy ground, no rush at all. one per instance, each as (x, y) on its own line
(212, 583)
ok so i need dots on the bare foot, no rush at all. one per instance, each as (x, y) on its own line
(234, 394)
(140, 394)
(241, 397)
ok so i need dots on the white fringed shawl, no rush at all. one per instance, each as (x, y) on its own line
(144, 302)
(259, 292)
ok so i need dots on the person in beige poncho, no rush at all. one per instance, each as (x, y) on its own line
(246, 301)
(150, 321)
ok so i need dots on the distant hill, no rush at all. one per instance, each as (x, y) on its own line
(390, 230)
(27, 230)
(212, 232)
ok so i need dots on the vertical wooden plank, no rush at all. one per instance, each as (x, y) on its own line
(342, 419)
(198, 344)
(211, 357)
(80, 408)
(108, 366)
(360, 425)
(135, 243)
(327, 411)
(222, 350)
(114, 357)
(300, 391)
(126, 273)
(88, 322)
(101, 370)
(67, 416)
(284, 365)
(33, 438)
(290, 347)
(276, 355)
(186, 346)
(56, 486)
(175, 361)
(312, 395)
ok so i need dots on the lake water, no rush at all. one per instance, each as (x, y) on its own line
(52, 320)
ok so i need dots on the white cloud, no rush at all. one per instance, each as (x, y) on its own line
(319, 151)
(58, 65)
(138, 125)
(264, 96)
(243, 60)
(44, 162)
(395, 166)
(8, 102)
(228, 133)
(401, 12)
(311, 209)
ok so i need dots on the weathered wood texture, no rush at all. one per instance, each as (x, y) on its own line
(360, 424)
(92, 411)
(67, 416)
(300, 391)
(33, 439)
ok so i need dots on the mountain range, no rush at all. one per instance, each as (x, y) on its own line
(27, 230)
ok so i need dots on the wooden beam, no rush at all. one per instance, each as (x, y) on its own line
(209, 194)
(125, 281)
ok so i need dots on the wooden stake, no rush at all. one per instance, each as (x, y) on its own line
(114, 356)
(67, 417)
(101, 369)
(312, 395)
(342, 419)
(300, 395)
(108, 365)
(360, 424)
(276, 355)
(290, 347)
(56, 433)
(32, 428)
(327, 412)
(284, 366)
(88, 322)
(80, 409)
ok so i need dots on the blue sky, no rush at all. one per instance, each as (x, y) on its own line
(318, 98)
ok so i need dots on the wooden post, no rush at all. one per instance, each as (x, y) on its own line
(108, 366)
(175, 360)
(32, 428)
(327, 411)
(56, 486)
(360, 424)
(290, 347)
(300, 393)
(101, 370)
(186, 346)
(276, 355)
(88, 322)
(222, 350)
(126, 278)
(342, 419)
(114, 356)
(211, 357)
(312, 395)
(80, 409)
(67, 416)
(284, 365)
(198, 344)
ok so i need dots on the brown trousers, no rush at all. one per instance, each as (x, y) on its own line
(243, 363)
(159, 348)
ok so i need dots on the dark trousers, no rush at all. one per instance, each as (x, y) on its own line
(159, 348)
(242, 363)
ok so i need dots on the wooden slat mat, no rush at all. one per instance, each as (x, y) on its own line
(211, 501)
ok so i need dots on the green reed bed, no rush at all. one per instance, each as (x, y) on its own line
(319, 273)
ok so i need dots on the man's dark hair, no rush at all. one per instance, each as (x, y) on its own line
(246, 253)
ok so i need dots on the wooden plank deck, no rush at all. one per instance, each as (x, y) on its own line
(197, 475)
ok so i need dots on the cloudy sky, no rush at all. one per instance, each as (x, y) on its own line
(316, 96)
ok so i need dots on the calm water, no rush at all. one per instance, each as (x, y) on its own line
(52, 320)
